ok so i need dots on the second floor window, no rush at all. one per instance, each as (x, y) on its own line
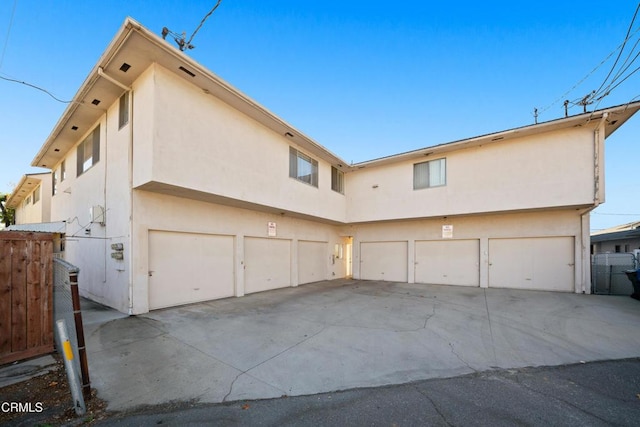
(337, 180)
(430, 174)
(123, 110)
(89, 151)
(302, 167)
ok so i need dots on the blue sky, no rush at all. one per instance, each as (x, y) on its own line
(365, 79)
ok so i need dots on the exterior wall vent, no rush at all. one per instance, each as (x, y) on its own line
(187, 71)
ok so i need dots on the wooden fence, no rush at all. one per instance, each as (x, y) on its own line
(26, 295)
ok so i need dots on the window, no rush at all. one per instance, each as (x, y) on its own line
(63, 170)
(337, 180)
(27, 200)
(54, 181)
(617, 249)
(123, 114)
(36, 195)
(302, 167)
(88, 151)
(430, 174)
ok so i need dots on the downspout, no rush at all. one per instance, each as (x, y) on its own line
(596, 159)
(586, 233)
(104, 75)
(130, 154)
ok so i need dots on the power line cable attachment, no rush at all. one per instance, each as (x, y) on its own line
(181, 39)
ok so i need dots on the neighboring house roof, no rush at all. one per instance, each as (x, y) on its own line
(134, 49)
(27, 184)
(43, 227)
(624, 231)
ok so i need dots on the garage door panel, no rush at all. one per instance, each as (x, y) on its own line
(448, 262)
(267, 264)
(189, 267)
(312, 261)
(544, 263)
(384, 261)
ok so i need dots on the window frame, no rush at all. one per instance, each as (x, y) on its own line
(295, 157)
(36, 195)
(123, 110)
(90, 144)
(417, 174)
(54, 181)
(337, 180)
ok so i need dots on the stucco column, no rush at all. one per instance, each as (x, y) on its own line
(239, 265)
(411, 261)
(484, 262)
(294, 262)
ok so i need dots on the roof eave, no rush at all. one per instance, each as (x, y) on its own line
(562, 123)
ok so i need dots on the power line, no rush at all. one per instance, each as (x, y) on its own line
(6, 40)
(616, 214)
(584, 100)
(36, 87)
(180, 39)
(202, 22)
(621, 49)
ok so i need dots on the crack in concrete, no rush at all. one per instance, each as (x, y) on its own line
(433, 313)
(493, 344)
(461, 359)
(266, 360)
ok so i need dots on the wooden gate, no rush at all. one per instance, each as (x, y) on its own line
(26, 295)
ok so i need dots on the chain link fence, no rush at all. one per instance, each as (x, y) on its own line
(607, 273)
(66, 305)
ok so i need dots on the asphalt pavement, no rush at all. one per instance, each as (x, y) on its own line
(586, 394)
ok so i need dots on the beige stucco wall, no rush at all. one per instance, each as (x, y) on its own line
(167, 213)
(565, 223)
(87, 243)
(542, 171)
(39, 211)
(195, 141)
(184, 138)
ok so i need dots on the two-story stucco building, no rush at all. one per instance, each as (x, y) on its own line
(31, 199)
(179, 188)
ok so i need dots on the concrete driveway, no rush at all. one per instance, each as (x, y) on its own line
(344, 334)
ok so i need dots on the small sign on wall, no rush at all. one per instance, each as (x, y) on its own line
(447, 231)
(271, 229)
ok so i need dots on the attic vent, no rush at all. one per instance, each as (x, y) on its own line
(187, 71)
(56, 149)
(613, 122)
(95, 102)
(74, 127)
(125, 67)
(498, 138)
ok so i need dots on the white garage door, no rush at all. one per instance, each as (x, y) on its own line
(312, 261)
(189, 267)
(267, 264)
(545, 263)
(448, 262)
(383, 261)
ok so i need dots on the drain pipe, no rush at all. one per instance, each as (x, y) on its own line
(121, 85)
(106, 76)
(597, 140)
